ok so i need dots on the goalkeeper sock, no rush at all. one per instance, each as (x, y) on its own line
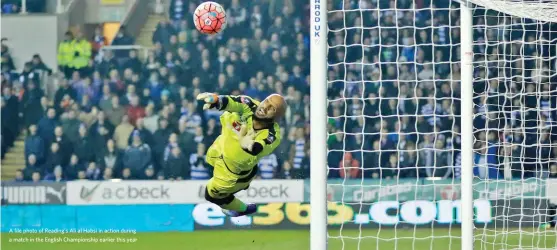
(236, 205)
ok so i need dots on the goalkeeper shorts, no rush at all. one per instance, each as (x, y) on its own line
(225, 183)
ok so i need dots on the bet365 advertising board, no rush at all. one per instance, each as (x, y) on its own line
(354, 204)
(416, 213)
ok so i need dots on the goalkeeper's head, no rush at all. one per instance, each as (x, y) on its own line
(271, 109)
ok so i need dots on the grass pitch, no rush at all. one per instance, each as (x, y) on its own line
(367, 239)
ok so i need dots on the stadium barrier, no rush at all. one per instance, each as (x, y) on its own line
(175, 192)
(160, 206)
(423, 189)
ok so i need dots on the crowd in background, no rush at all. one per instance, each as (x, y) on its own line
(393, 90)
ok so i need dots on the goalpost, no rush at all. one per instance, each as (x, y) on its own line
(436, 123)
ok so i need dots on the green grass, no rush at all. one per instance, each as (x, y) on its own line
(384, 239)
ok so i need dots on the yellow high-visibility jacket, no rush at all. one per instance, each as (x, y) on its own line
(65, 53)
(84, 50)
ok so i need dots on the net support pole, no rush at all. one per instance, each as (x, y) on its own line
(318, 125)
(466, 91)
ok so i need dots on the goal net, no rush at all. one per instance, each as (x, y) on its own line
(395, 86)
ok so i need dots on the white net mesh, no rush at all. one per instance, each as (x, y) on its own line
(394, 124)
(514, 122)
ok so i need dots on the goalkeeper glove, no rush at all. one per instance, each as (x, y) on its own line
(246, 137)
(211, 100)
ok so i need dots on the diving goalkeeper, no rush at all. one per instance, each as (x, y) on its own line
(249, 132)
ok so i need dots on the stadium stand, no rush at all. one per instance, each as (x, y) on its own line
(142, 114)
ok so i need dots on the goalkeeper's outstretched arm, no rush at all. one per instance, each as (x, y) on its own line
(238, 104)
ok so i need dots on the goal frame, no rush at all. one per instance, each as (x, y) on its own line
(318, 110)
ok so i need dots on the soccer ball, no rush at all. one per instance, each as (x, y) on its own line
(209, 18)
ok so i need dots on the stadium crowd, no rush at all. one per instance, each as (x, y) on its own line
(393, 91)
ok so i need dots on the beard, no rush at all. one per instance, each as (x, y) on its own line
(263, 120)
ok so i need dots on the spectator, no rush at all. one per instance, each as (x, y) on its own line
(83, 145)
(199, 168)
(149, 174)
(146, 135)
(31, 104)
(34, 144)
(19, 177)
(31, 166)
(92, 172)
(46, 126)
(137, 157)
(268, 167)
(175, 167)
(116, 112)
(110, 157)
(122, 38)
(36, 177)
(38, 66)
(63, 95)
(122, 133)
(108, 174)
(151, 120)
(349, 167)
(99, 40)
(10, 115)
(81, 175)
(54, 159)
(160, 138)
(56, 176)
(101, 130)
(126, 174)
(65, 144)
(71, 171)
(178, 10)
(134, 110)
(70, 125)
(163, 32)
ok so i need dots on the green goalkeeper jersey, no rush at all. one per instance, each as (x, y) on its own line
(240, 110)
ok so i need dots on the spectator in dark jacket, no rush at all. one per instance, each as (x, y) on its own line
(122, 38)
(10, 116)
(66, 146)
(31, 167)
(34, 144)
(101, 131)
(160, 139)
(47, 125)
(137, 156)
(31, 104)
(65, 89)
(163, 33)
(82, 147)
(56, 176)
(38, 65)
(72, 169)
(133, 62)
(110, 157)
(70, 125)
(145, 134)
(175, 166)
(53, 159)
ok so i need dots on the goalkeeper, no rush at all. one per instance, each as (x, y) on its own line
(249, 132)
